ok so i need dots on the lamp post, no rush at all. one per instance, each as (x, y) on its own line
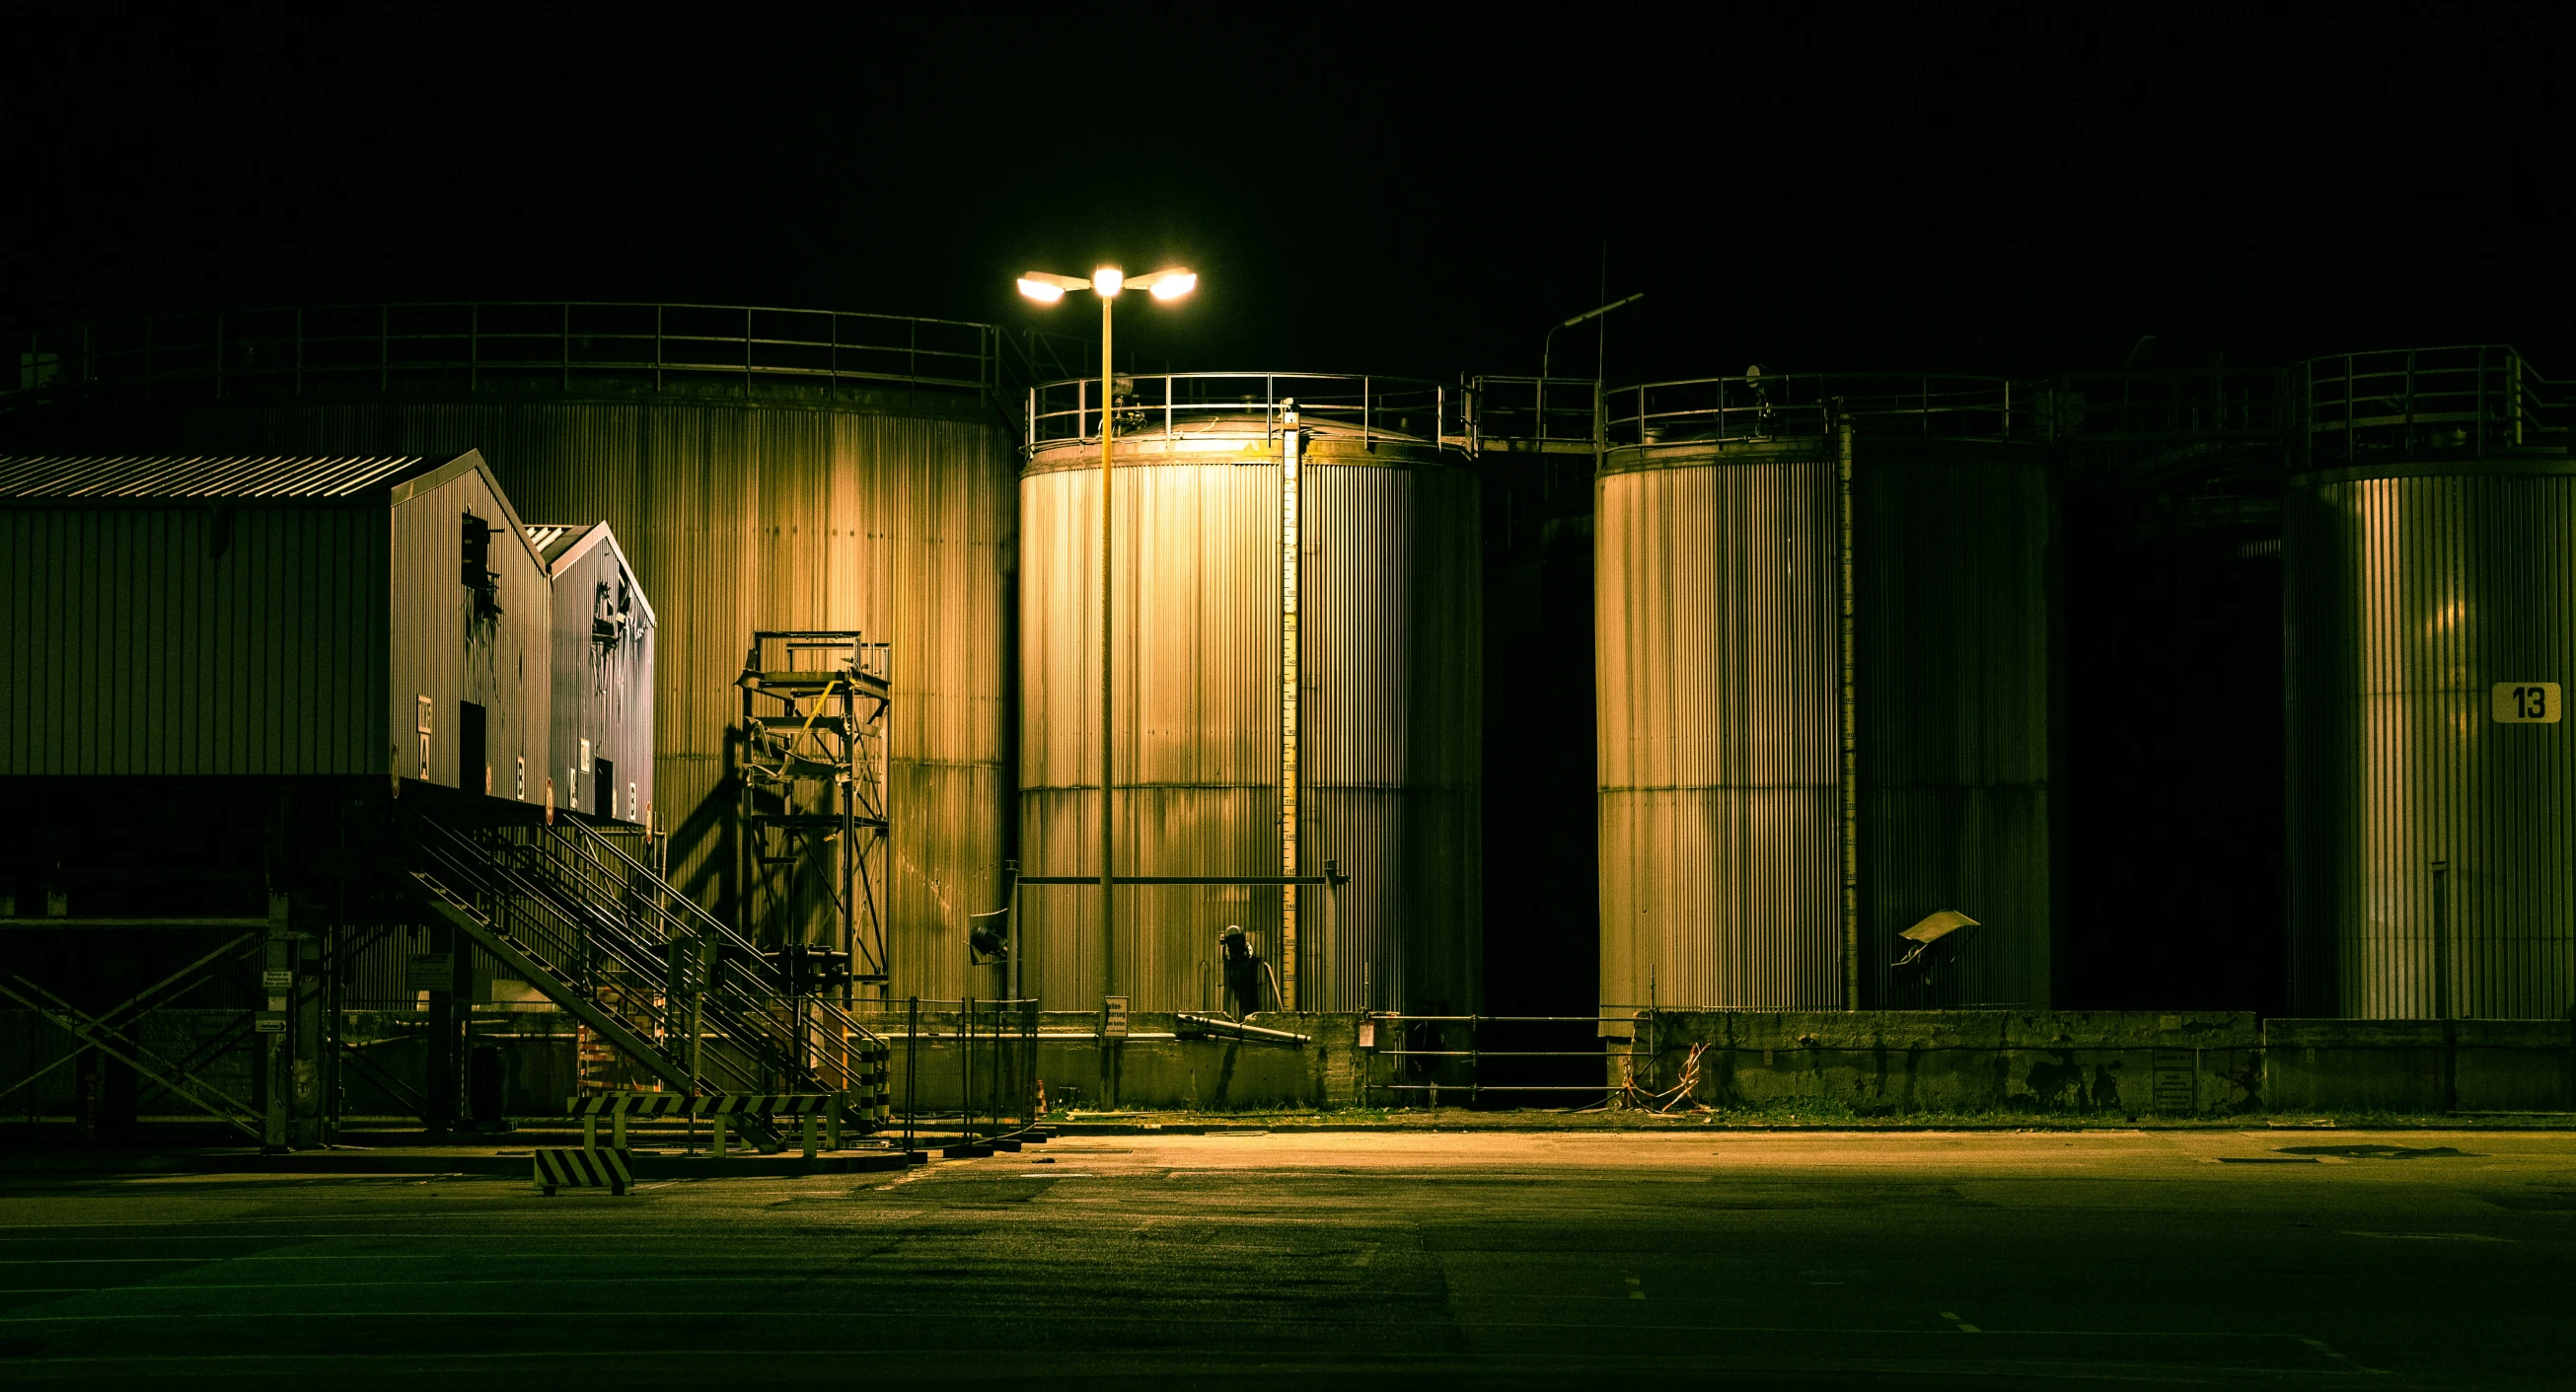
(1547, 346)
(1045, 287)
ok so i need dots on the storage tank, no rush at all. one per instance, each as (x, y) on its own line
(1808, 747)
(1375, 735)
(771, 468)
(2431, 566)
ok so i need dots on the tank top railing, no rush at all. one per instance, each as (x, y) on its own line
(1765, 406)
(266, 353)
(2473, 400)
(1246, 405)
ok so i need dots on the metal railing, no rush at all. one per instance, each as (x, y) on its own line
(291, 351)
(1235, 405)
(1534, 412)
(2204, 403)
(1414, 1058)
(995, 1042)
(1806, 405)
(2471, 400)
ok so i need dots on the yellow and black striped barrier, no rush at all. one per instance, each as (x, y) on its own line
(566, 1168)
(821, 1112)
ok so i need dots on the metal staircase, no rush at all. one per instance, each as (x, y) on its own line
(691, 1002)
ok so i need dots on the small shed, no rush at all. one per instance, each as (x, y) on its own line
(602, 743)
(272, 616)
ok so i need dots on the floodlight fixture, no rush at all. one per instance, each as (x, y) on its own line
(1170, 283)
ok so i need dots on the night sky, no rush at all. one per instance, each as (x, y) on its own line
(2013, 191)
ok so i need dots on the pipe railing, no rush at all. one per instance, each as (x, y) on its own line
(2471, 400)
(386, 347)
(1534, 410)
(1236, 405)
(1811, 405)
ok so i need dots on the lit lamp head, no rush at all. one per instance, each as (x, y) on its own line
(1170, 283)
(1046, 287)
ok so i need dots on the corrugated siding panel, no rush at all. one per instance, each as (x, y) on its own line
(504, 664)
(1719, 736)
(1389, 710)
(1393, 739)
(2408, 599)
(1951, 553)
(761, 514)
(131, 647)
(601, 695)
(1197, 632)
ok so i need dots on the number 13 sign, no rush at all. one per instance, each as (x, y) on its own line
(2525, 703)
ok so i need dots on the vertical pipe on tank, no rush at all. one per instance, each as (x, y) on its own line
(1288, 640)
(1850, 745)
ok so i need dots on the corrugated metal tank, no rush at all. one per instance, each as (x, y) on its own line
(2430, 549)
(1719, 516)
(603, 674)
(1389, 742)
(769, 469)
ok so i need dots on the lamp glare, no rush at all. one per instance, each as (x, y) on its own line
(1107, 280)
(1041, 291)
(1172, 287)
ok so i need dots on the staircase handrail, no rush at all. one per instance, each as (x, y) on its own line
(558, 902)
(691, 909)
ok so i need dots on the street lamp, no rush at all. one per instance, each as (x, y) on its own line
(1046, 287)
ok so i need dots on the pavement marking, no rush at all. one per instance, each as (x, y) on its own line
(2426, 1236)
(1636, 1289)
(2320, 1346)
(1964, 1326)
(317, 1256)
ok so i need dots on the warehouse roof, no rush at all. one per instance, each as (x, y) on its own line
(201, 476)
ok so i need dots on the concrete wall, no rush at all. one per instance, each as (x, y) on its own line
(1892, 1063)
(2419, 1066)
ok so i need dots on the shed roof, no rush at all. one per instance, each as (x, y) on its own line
(553, 538)
(67, 476)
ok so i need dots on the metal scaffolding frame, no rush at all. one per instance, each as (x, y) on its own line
(814, 836)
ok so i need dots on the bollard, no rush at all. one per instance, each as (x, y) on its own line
(832, 1122)
(590, 1132)
(617, 1129)
(810, 1140)
(717, 1128)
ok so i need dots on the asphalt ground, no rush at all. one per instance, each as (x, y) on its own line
(2189, 1258)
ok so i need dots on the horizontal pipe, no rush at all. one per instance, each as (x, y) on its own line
(1179, 879)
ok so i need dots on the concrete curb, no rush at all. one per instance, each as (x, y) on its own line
(647, 1167)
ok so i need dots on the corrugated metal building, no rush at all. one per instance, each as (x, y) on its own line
(1775, 808)
(271, 616)
(602, 742)
(2430, 552)
(1378, 738)
(772, 469)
